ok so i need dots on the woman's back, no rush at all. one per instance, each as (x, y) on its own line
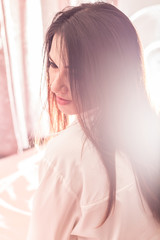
(71, 202)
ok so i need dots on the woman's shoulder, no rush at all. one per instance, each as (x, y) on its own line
(74, 157)
(62, 156)
(66, 143)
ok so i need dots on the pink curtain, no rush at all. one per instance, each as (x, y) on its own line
(10, 136)
(8, 143)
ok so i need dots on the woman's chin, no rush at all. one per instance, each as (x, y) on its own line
(68, 109)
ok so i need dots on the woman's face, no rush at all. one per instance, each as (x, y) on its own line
(59, 78)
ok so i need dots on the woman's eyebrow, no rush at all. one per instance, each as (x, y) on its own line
(54, 62)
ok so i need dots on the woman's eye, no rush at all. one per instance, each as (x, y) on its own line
(52, 64)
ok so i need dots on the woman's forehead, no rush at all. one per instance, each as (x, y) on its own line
(58, 51)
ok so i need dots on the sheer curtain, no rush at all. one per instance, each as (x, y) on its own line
(22, 36)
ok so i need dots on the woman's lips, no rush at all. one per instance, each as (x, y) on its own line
(62, 101)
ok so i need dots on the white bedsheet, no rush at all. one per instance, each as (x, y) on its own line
(18, 182)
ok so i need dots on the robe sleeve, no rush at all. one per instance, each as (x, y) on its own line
(55, 209)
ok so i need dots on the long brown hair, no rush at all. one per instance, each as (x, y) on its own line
(106, 74)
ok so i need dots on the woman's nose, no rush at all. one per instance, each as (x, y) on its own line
(57, 85)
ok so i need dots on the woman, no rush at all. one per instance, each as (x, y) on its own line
(100, 178)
